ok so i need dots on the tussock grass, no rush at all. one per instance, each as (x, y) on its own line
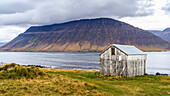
(55, 85)
(59, 82)
(16, 71)
(19, 80)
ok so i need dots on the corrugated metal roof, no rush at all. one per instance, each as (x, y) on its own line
(129, 50)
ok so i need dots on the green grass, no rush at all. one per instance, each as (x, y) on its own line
(35, 40)
(143, 85)
(57, 82)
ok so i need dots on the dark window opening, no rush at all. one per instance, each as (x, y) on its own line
(113, 51)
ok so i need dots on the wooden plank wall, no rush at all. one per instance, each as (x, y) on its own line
(135, 68)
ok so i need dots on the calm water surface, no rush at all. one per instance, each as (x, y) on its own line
(156, 61)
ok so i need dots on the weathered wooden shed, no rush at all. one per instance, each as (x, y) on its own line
(122, 60)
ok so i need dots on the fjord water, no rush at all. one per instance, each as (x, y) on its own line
(156, 61)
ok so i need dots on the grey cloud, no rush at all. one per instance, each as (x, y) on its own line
(15, 6)
(9, 32)
(167, 8)
(41, 12)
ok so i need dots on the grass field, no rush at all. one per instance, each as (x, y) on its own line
(18, 80)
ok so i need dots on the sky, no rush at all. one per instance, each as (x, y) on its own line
(18, 15)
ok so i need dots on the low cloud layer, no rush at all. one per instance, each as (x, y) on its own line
(9, 32)
(39, 12)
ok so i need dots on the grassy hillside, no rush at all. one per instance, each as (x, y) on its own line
(18, 80)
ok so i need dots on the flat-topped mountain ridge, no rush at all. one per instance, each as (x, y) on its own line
(84, 35)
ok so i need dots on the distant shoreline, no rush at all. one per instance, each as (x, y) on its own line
(61, 69)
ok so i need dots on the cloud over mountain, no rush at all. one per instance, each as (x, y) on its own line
(40, 12)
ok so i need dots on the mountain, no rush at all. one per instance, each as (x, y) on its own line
(156, 32)
(84, 35)
(165, 34)
(2, 43)
(167, 30)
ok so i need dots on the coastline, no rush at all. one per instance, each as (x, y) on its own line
(74, 69)
(156, 61)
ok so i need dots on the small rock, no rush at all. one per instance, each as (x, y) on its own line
(161, 74)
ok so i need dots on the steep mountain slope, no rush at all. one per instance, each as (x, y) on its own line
(165, 34)
(83, 35)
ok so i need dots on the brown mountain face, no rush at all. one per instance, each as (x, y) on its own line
(84, 35)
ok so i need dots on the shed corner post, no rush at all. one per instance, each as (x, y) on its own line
(144, 66)
(127, 69)
(101, 67)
